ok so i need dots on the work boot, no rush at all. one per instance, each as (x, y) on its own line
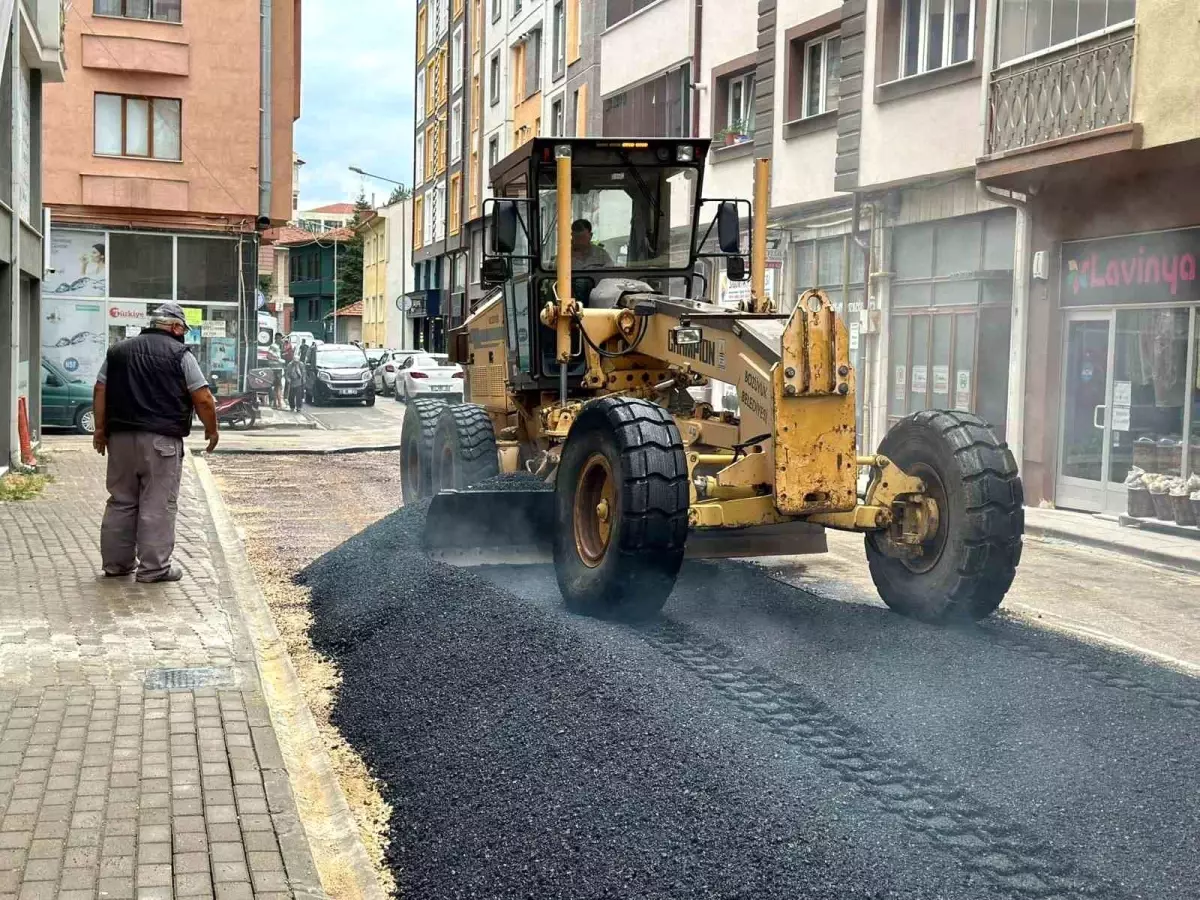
(174, 573)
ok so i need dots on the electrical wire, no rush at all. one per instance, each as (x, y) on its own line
(606, 354)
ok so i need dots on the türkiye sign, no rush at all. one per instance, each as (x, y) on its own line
(1160, 267)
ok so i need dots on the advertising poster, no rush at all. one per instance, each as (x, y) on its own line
(941, 379)
(222, 356)
(962, 389)
(128, 315)
(920, 380)
(74, 335)
(80, 264)
(901, 384)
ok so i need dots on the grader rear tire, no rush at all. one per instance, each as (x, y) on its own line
(464, 448)
(622, 504)
(968, 565)
(416, 448)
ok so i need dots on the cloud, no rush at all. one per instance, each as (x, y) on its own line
(356, 98)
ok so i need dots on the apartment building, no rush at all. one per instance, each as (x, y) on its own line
(386, 260)
(330, 217)
(33, 56)
(172, 148)
(1092, 121)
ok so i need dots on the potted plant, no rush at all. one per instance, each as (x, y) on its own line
(733, 133)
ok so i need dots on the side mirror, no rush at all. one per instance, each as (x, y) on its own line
(504, 226)
(735, 268)
(729, 237)
(494, 271)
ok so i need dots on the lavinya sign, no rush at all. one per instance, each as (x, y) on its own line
(1160, 267)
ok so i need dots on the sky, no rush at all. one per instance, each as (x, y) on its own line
(356, 104)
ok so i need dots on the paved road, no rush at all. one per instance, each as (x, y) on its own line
(777, 733)
(354, 417)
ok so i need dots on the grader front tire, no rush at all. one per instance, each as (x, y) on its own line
(621, 497)
(967, 567)
(416, 448)
(464, 448)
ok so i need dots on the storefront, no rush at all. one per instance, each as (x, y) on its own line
(1130, 382)
(103, 285)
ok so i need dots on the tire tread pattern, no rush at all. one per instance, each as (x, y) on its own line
(424, 413)
(475, 440)
(994, 519)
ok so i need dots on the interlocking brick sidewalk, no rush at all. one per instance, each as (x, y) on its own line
(118, 777)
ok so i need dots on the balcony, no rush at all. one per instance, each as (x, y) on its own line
(1059, 96)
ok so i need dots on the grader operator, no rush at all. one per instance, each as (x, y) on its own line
(580, 376)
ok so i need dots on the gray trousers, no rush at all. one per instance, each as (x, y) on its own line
(138, 530)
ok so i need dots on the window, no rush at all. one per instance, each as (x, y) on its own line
(934, 34)
(560, 40)
(141, 266)
(494, 79)
(419, 159)
(436, 82)
(575, 126)
(422, 29)
(516, 8)
(556, 119)
(420, 112)
(157, 10)
(656, 108)
(418, 222)
(436, 212)
(208, 271)
(951, 295)
(456, 59)
(137, 126)
(493, 153)
(619, 10)
(533, 62)
(456, 124)
(1027, 26)
(822, 63)
(497, 10)
(739, 103)
(455, 202)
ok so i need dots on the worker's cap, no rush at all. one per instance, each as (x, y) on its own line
(170, 312)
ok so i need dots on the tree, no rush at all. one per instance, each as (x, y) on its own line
(350, 257)
(399, 192)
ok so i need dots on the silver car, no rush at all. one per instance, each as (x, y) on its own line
(429, 375)
(384, 373)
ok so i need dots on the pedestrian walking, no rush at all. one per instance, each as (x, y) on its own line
(294, 374)
(304, 350)
(146, 393)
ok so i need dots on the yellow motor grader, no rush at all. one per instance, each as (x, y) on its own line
(581, 369)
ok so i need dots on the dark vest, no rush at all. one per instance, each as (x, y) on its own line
(145, 389)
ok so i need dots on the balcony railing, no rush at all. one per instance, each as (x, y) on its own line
(1062, 95)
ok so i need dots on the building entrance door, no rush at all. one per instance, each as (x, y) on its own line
(1085, 431)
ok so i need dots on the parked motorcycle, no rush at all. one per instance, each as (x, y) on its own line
(236, 410)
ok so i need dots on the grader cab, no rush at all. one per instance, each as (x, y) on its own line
(581, 373)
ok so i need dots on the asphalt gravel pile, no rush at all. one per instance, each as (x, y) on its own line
(521, 764)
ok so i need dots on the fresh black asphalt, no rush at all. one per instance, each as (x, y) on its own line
(756, 741)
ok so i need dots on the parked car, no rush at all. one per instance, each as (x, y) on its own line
(376, 355)
(339, 372)
(430, 375)
(66, 400)
(384, 374)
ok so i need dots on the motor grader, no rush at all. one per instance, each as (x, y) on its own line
(582, 368)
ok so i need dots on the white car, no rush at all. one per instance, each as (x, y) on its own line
(429, 375)
(385, 372)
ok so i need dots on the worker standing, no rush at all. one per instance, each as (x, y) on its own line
(145, 396)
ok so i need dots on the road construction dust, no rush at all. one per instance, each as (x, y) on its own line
(292, 510)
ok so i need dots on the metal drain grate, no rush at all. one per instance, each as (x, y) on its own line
(187, 679)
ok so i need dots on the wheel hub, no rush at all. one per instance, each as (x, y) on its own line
(593, 510)
(925, 519)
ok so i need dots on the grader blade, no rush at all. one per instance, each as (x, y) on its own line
(490, 527)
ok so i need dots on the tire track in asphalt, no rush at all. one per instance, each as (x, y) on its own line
(930, 808)
(992, 631)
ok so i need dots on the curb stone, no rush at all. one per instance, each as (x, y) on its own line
(327, 825)
(296, 451)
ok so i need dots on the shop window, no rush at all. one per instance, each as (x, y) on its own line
(208, 271)
(950, 316)
(1029, 26)
(926, 35)
(154, 10)
(141, 266)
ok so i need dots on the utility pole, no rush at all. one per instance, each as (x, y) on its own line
(335, 290)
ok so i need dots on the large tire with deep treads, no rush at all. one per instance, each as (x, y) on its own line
(621, 496)
(416, 448)
(967, 567)
(464, 448)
